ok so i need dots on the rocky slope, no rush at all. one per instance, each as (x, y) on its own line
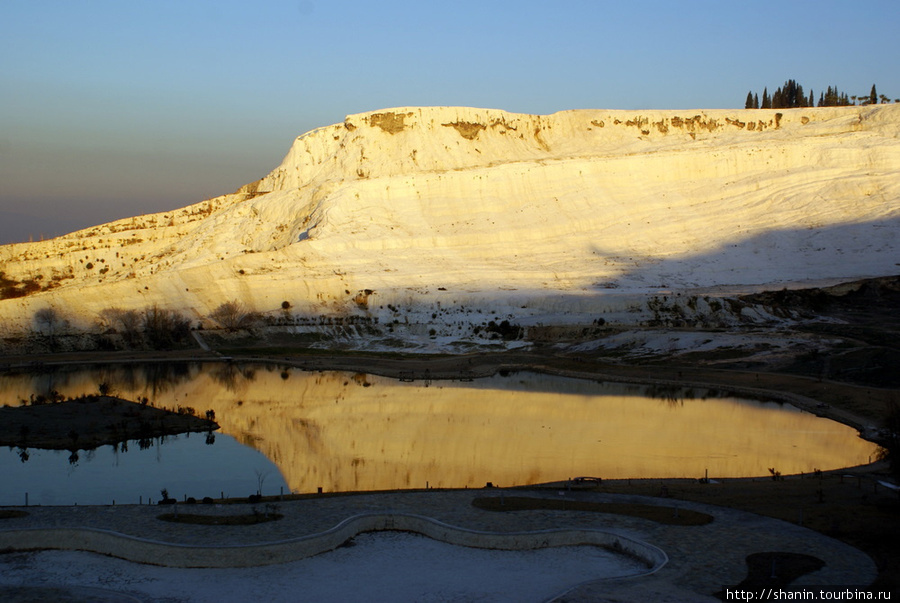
(437, 220)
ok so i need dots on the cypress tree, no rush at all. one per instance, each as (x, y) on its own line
(792, 95)
(789, 96)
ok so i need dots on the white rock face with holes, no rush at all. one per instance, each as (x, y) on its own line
(476, 214)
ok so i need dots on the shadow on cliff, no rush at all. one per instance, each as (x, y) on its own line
(844, 251)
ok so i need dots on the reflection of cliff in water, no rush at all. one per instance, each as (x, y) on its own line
(344, 431)
(233, 377)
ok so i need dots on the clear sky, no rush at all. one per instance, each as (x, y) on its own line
(113, 108)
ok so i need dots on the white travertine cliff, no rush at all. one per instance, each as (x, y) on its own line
(475, 214)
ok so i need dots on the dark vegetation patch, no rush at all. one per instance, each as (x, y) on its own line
(11, 288)
(865, 314)
(247, 519)
(12, 514)
(505, 330)
(864, 299)
(88, 422)
(670, 515)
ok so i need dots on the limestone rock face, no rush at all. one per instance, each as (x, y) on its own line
(447, 211)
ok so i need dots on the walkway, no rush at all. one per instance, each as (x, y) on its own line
(702, 559)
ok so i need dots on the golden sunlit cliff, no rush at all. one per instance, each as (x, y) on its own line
(405, 215)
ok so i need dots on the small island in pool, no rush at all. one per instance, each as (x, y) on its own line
(92, 421)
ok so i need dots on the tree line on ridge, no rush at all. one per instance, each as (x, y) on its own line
(792, 95)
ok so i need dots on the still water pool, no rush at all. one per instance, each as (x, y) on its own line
(185, 466)
(301, 430)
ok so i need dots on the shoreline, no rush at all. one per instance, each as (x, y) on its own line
(857, 406)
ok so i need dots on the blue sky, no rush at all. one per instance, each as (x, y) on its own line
(110, 109)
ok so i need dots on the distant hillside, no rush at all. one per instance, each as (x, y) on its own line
(431, 221)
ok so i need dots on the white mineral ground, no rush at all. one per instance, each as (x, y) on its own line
(472, 214)
(385, 566)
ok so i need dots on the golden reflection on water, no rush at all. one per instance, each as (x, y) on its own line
(344, 431)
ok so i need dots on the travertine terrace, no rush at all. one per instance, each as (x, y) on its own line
(444, 217)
